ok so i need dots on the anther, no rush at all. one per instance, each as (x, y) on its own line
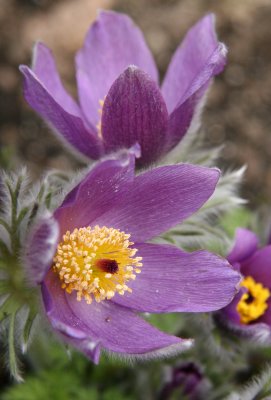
(96, 263)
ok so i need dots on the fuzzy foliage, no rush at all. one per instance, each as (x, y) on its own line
(20, 205)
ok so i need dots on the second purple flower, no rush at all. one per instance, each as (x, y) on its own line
(250, 311)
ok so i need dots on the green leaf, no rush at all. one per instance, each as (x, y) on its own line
(4, 287)
(6, 156)
(22, 214)
(4, 251)
(257, 389)
(116, 395)
(240, 217)
(5, 224)
(13, 361)
(59, 385)
(170, 323)
(6, 304)
(28, 328)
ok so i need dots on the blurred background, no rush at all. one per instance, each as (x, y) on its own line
(237, 114)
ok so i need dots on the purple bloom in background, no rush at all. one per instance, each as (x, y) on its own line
(250, 311)
(97, 269)
(120, 102)
(187, 380)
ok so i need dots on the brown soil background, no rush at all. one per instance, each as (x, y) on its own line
(238, 112)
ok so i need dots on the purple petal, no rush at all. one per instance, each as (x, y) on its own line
(195, 62)
(259, 332)
(245, 244)
(230, 312)
(259, 266)
(40, 248)
(114, 328)
(44, 68)
(97, 193)
(111, 45)
(266, 318)
(69, 127)
(171, 280)
(159, 199)
(135, 112)
(182, 118)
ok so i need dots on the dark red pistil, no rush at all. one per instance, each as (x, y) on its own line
(250, 298)
(107, 265)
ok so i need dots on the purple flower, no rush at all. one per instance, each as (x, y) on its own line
(97, 269)
(188, 380)
(250, 311)
(120, 100)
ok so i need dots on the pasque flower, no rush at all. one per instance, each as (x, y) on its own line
(186, 380)
(97, 268)
(250, 311)
(120, 102)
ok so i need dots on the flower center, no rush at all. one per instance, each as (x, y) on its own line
(96, 262)
(253, 304)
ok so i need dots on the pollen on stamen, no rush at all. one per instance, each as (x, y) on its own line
(252, 304)
(96, 263)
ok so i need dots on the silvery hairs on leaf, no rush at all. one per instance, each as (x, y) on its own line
(21, 204)
(258, 388)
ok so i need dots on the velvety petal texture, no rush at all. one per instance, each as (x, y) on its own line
(112, 43)
(97, 193)
(134, 112)
(110, 195)
(180, 120)
(160, 198)
(40, 248)
(197, 60)
(67, 126)
(172, 280)
(120, 101)
(230, 312)
(245, 245)
(259, 332)
(199, 57)
(116, 328)
(259, 266)
(44, 68)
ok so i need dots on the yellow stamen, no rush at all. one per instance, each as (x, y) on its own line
(96, 262)
(99, 125)
(253, 304)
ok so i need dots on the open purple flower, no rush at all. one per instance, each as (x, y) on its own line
(97, 269)
(250, 311)
(120, 100)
